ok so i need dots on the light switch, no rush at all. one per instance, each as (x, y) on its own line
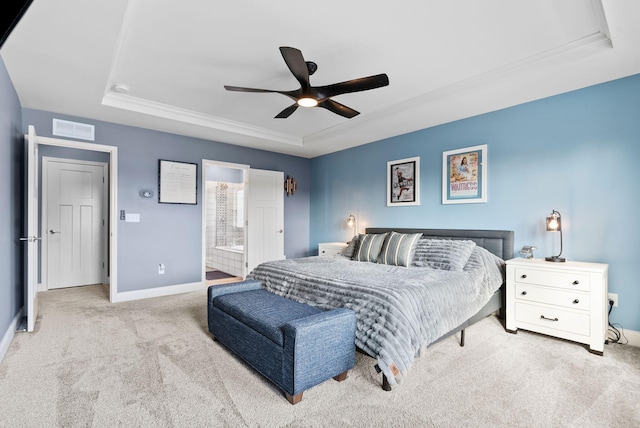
(132, 218)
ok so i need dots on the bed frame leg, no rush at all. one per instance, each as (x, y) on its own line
(462, 337)
(385, 383)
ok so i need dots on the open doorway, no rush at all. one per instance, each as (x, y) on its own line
(224, 221)
(32, 225)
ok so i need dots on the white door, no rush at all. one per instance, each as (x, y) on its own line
(74, 222)
(265, 229)
(31, 237)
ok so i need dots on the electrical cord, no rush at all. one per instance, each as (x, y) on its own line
(613, 330)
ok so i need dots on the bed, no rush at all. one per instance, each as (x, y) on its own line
(447, 280)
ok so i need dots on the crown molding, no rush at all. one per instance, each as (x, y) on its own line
(153, 108)
(581, 47)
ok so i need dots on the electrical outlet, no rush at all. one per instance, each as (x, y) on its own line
(614, 297)
(161, 269)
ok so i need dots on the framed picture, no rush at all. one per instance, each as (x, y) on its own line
(177, 182)
(403, 182)
(464, 175)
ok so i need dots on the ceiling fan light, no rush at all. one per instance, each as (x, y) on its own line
(307, 102)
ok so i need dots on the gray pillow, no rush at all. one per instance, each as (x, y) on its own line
(351, 247)
(369, 248)
(443, 254)
(398, 248)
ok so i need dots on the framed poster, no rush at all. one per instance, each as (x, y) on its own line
(464, 175)
(403, 182)
(177, 182)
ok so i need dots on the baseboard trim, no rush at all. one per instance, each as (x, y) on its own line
(8, 335)
(632, 336)
(169, 290)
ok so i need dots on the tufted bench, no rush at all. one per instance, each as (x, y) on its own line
(295, 346)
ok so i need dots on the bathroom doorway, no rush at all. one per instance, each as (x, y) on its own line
(224, 221)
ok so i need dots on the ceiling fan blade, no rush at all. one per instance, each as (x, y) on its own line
(338, 108)
(355, 85)
(287, 112)
(241, 89)
(296, 63)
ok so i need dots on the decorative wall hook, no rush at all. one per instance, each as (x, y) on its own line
(290, 186)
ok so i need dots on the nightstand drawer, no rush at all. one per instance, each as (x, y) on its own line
(559, 297)
(331, 248)
(553, 318)
(568, 280)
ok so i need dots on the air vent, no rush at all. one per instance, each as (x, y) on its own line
(82, 131)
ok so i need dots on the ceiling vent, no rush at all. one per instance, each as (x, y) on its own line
(82, 131)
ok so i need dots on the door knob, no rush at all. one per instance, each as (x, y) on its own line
(280, 231)
(53, 231)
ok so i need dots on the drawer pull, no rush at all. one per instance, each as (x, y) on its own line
(575, 302)
(523, 276)
(576, 282)
(524, 293)
(542, 317)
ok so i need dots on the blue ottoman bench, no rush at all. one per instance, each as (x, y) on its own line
(295, 346)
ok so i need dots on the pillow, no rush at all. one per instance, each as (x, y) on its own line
(398, 248)
(351, 248)
(369, 248)
(443, 254)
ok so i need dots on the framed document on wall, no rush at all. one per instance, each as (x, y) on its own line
(177, 182)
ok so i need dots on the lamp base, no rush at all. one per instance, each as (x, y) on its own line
(555, 259)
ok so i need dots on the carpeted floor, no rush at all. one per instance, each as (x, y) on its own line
(152, 363)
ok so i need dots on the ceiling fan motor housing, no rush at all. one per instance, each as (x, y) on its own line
(312, 67)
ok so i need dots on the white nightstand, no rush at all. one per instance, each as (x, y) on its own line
(566, 300)
(331, 248)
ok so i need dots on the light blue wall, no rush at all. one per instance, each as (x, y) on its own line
(11, 149)
(171, 234)
(577, 153)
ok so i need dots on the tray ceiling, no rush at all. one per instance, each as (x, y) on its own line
(162, 65)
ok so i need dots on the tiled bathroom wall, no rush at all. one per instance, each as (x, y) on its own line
(225, 226)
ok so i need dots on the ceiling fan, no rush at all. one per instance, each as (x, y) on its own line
(316, 96)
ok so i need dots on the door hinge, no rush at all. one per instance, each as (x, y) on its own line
(102, 265)
(246, 264)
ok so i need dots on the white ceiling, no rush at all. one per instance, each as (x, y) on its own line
(445, 61)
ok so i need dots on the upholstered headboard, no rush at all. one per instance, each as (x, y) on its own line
(499, 242)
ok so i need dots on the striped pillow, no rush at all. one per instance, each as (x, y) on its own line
(369, 248)
(398, 248)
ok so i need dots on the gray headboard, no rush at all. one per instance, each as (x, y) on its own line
(499, 242)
